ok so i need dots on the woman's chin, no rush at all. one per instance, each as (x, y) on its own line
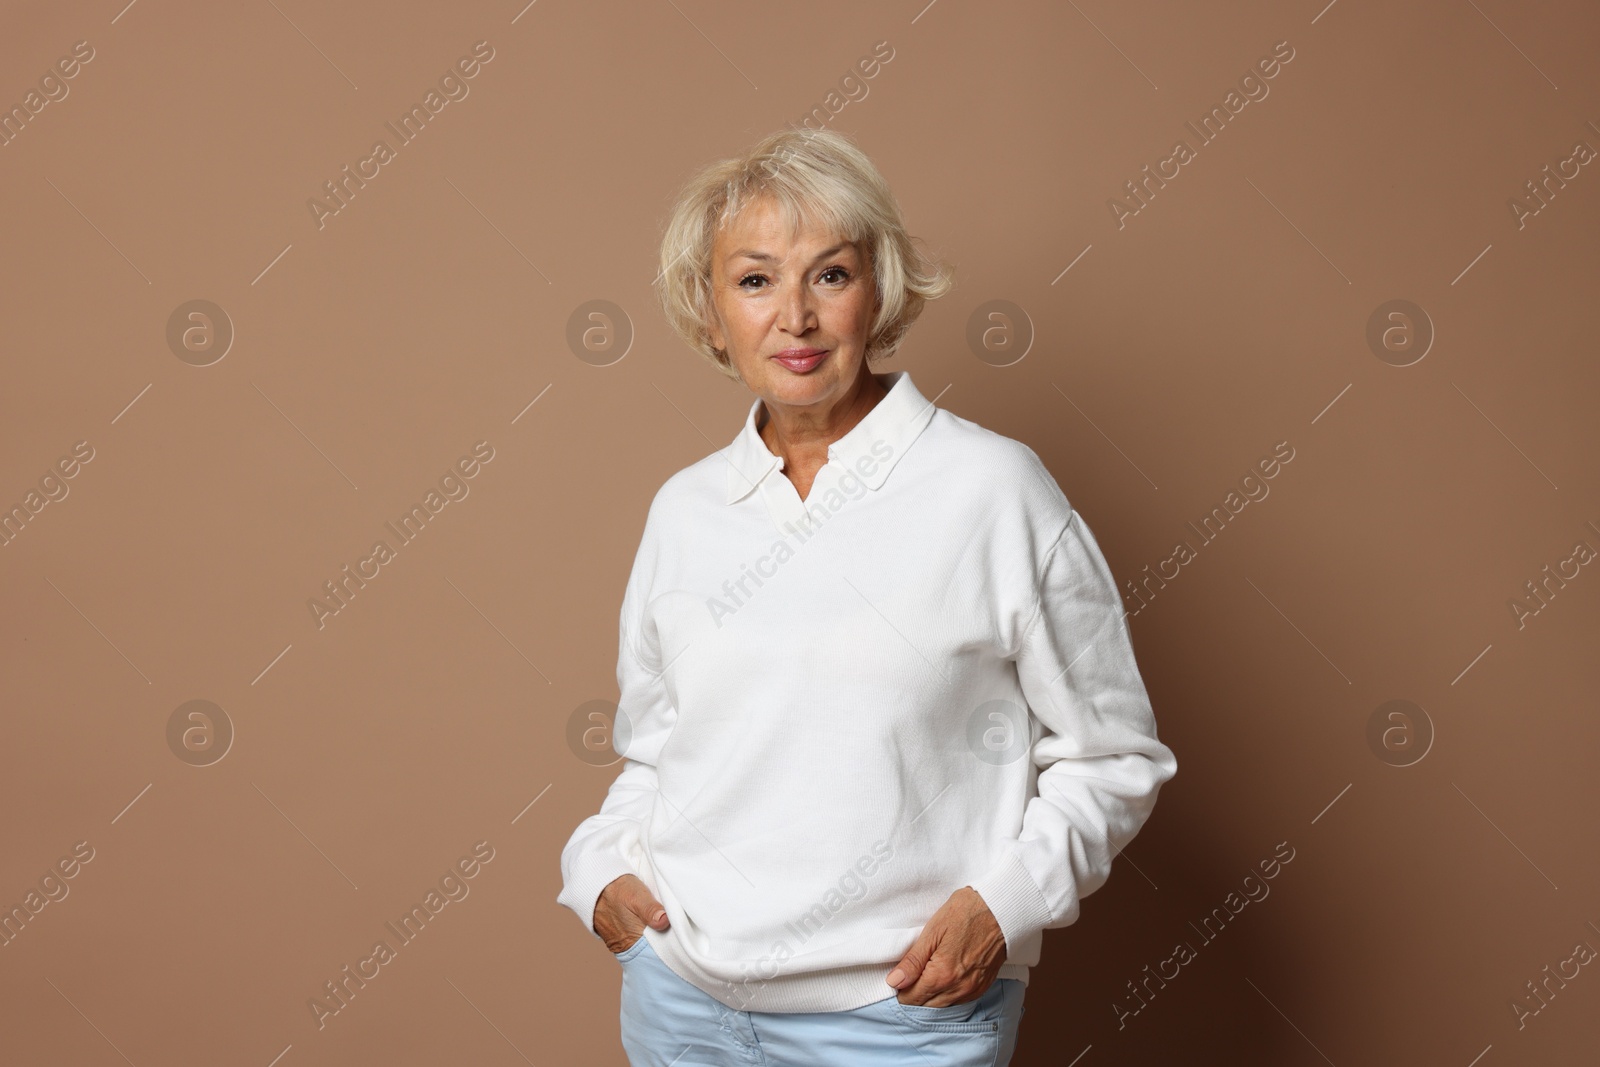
(797, 390)
(828, 380)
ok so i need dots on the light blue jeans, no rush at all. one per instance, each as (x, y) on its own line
(668, 1022)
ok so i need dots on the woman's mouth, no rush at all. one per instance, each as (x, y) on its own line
(801, 360)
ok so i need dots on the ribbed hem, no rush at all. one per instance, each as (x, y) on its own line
(836, 989)
(1015, 899)
(588, 880)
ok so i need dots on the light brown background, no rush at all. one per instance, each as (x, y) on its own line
(371, 353)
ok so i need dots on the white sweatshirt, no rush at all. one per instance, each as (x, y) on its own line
(835, 713)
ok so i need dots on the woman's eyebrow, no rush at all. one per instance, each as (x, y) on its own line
(750, 253)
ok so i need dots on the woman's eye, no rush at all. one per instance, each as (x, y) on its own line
(839, 272)
(752, 277)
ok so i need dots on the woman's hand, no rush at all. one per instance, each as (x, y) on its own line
(623, 909)
(955, 958)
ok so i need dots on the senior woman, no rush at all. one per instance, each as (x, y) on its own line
(880, 715)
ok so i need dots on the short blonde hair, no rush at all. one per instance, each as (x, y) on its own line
(813, 175)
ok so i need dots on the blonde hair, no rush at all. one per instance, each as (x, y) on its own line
(815, 175)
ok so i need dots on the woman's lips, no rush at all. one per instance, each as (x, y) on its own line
(802, 360)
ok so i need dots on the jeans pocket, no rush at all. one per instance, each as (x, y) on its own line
(969, 1017)
(638, 946)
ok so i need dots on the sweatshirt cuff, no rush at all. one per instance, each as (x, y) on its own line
(1015, 900)
(583, 889)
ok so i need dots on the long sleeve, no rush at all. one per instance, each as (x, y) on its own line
(606, 845)
(1100, 762)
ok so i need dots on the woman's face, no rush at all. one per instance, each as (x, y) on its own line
(809, 298)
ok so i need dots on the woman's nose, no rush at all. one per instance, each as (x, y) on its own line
(795, 311)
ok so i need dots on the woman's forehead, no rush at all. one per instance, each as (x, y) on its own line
(768, 237)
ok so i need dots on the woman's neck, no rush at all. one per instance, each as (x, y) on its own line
(802, 436)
